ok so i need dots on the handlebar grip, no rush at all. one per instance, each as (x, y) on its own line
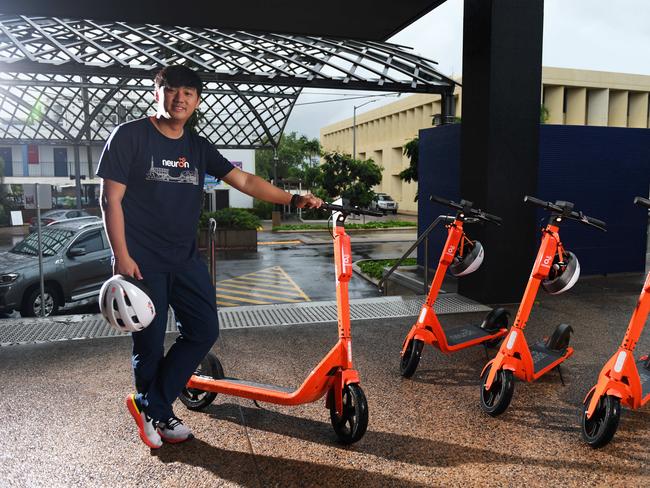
(349, 210)
(494, 218)
(596, 222)
(442, 201)
(644, 202)
(535, 201)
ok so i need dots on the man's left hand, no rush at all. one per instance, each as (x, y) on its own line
(309, 201)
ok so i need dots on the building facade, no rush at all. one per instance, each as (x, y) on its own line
(571, 97)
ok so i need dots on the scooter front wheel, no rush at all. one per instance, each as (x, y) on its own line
(411, 358)
(598, 430)
(196, 399)
(496, 400)
(353, 421)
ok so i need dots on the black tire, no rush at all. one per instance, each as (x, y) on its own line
(496, 400)
(411, 358)
(601, 427)
(32, 302)
(495, 319)
(352, 424)
(195, 399)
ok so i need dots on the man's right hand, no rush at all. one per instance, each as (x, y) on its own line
(126, 267)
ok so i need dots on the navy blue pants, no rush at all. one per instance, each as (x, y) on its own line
(160, 378)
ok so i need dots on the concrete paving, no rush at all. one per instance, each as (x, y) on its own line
(64, 423)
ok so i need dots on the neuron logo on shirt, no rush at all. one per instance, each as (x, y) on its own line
(181, 163)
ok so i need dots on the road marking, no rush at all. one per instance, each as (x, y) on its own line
(263, 287)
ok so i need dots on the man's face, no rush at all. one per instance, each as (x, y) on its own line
(177, 103)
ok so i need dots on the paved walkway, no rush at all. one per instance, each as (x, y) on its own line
(64, 423)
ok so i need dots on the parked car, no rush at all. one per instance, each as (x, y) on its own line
(76, 262)
(384, 203)
(57, 215)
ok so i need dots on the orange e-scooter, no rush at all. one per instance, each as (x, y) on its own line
(556, 270)
(461, 256)
(334, 376)
(623, 379)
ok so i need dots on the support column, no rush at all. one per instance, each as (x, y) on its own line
(502, 77)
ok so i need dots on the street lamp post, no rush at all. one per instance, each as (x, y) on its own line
(354, 127)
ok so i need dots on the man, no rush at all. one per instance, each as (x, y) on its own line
(152, 172)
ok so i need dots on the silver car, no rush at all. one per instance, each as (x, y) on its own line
(76, 262)
(384, 203)
(52, 216)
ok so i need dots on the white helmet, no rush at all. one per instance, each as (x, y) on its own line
(125, 304)
(468, 263)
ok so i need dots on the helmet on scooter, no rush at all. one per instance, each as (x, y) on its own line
(125, 304)
(563, 275)
(470, 262)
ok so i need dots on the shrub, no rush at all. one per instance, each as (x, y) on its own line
(231, 218)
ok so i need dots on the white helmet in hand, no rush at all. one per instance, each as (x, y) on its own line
(125, 304)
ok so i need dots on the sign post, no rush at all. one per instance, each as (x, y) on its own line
(36, 196)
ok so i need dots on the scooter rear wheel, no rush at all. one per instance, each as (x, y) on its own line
(496, 400)
(353, 422)
(598, 430)
(196, 399)
(411, 358)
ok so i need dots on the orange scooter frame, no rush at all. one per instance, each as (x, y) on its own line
(623, 379)
(515, 356)
(427, 329)
(334, 375)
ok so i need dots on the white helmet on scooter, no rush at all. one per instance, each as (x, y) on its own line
(470, 262)
(563, 275)
(125, 304)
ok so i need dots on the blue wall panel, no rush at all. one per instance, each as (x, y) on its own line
(600, 169)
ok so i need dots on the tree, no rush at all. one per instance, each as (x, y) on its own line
(349, 178)
(295, 156)
(411, 150)
(543, 114)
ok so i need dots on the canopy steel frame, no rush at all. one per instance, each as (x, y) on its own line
(71, 81)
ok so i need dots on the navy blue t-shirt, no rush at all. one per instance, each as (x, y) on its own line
(164, 190)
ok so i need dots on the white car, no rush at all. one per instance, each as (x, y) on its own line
(384, 203)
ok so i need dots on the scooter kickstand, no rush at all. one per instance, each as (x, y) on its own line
(559, 370)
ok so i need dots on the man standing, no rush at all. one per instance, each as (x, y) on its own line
(152, 172)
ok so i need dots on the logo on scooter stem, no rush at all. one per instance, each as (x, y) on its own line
(451, 250)
(547, 261)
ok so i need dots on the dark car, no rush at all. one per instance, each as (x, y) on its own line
(51, 216)
(76, 262)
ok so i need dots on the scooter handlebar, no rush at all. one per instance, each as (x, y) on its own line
(644, 202)
(566, 211)
(350, 210)
(479, 214)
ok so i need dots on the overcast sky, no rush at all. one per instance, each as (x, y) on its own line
(603, 35)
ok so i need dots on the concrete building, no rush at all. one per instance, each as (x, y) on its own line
(572, 97)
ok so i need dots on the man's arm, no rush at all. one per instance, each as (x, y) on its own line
(263, 190)
(112, 193)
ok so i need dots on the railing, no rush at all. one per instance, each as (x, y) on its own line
(383, 282)
(212, 258)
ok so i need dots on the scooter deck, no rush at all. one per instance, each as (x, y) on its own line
(644, 375)
(543, 357)
(238, 382)
(464, 333)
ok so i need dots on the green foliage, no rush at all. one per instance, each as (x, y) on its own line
(543, 114)
(412, 151)
(262, 209)
(375, 268)
(368, 225)
(296, 156)
(231, 218)
(349, 178)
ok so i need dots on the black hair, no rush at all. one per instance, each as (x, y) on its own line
(176, 76)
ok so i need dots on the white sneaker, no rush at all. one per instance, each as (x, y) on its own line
(174, 431)
(146, 425)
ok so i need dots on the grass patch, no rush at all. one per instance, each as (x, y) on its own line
(368, 225)
(375, 268)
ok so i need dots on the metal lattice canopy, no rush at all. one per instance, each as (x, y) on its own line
(71, 81)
